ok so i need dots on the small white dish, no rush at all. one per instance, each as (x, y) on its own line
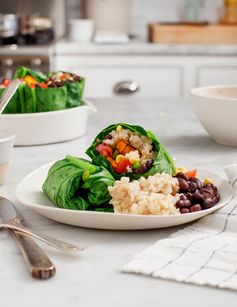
(48, 127)
(216, 108)
(7, 140)
(29, 193)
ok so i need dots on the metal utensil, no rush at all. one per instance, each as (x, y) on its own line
(40, 266)
(7, 94)
(62, 246)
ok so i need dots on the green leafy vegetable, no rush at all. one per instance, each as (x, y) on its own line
(37, 93)
(30, 101)
(66, 186)
(23, 71)
(162, 162)
(13, 105)
(51, 99)
(17, 102)
(75, 93)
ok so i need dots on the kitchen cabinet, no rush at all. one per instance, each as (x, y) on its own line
(217, 75)
(156, 75)
(104, 74)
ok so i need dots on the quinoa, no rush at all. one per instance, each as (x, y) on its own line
(156, 195)
(140, 142)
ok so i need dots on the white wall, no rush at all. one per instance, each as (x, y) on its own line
(145, 11)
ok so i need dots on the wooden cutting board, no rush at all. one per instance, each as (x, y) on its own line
(192, 34)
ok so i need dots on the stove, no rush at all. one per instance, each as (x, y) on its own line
(34, 57)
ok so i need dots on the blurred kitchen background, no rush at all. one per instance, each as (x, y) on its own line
(151, 48)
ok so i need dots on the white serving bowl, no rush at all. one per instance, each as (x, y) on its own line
(216, 108)
(47, 127)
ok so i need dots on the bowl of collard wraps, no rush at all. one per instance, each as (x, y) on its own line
(128, 150)
(75, 183)
(54, 91)
(46, 108)
(39, 92)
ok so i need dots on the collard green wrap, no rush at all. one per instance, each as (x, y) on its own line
(75, 88)
(75, 92)
(75, 183)
(162, 162)
(41, 97)
(51, 99)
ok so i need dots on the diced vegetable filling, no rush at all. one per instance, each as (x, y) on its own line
(58, 79)
(127, 151)
(61, 78)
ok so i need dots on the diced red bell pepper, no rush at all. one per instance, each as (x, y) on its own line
(104, 150)
(6, 82)
(43, 85)
(122, 166)
(32, 85)
(191, 173)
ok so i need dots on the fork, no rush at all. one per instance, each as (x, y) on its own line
(62, 246)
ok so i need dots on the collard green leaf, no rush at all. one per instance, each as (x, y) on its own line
(162, 162)
(13, 105)
(23, 71)
(67, 187)
(30, 101)
(75, 93)
(51, 99)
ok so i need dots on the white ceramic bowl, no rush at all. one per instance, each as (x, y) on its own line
(47, 127)
(6, 144)
(216, 108)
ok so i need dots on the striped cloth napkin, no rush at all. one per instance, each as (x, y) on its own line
(204, 253)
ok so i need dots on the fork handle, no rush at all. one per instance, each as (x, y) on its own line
(40, 266)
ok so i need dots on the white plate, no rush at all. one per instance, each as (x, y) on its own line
(29, 193)
(47, 127)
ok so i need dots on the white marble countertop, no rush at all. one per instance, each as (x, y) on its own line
(10, 50)
(94, 278)
(66, 47)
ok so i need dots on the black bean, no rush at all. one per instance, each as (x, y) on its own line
(196, 207)
(182, 175)
(197, 196)
(207, 192)
(197, 181)
(214, 200)
(183, 184)
(58, 83)
(76, 78)
(217, 196)
(183, 203)
(215, 189)
(140, 170)
(183, 197)
(189, 196)
(108, 137)
(192, 186)
(187, 203)
(208, 186)
(184, 210)
(208, 203)
(149, 163)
